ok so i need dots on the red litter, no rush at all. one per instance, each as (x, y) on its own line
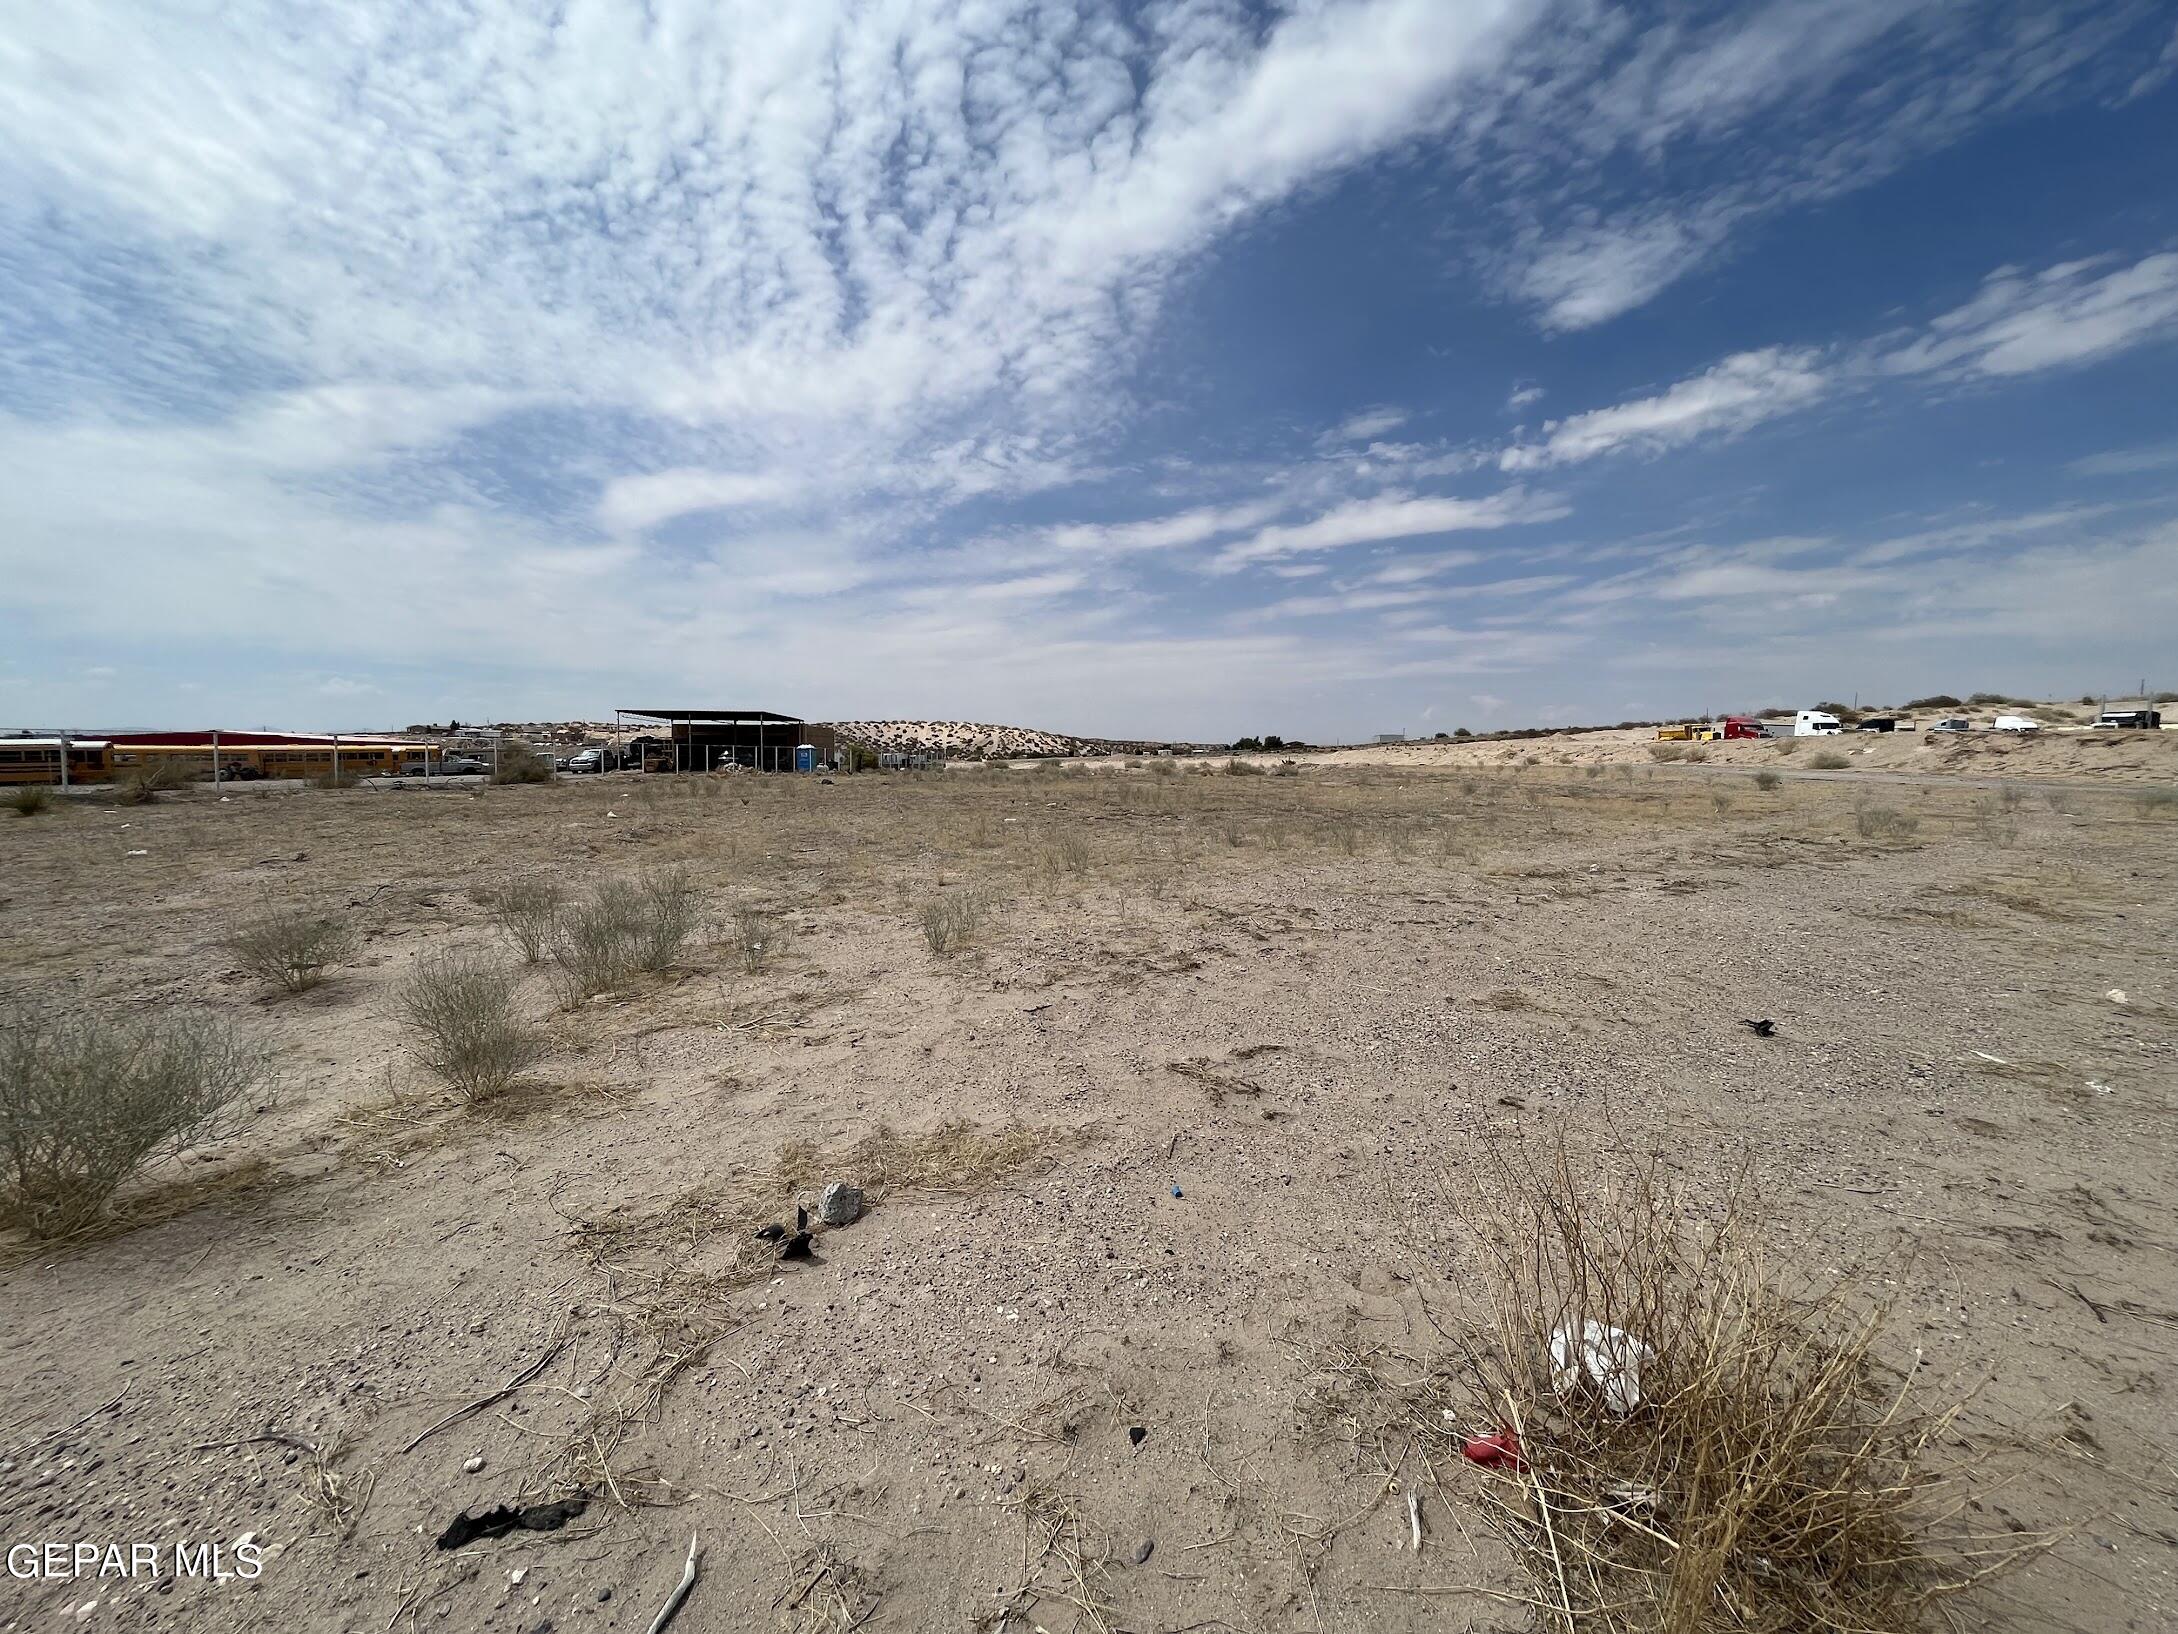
(1500, 1449)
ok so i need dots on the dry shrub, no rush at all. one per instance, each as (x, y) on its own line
(1698, 755)
(1165, 767)
(2153, 802)
(950, 919)
(291, 947)
(624, 927)
(141, 785)
(758, 938)
(1767, 1471)
(1667, 751)
(86, 1101)
(1067, 853)
(1768, 782)
(30, 799)
(1242, 768)
(1829, 760)
(527, 911)
(1885, 823)
(519, 763)
(461, 1004)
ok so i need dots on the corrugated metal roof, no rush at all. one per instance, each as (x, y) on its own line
(711, 715)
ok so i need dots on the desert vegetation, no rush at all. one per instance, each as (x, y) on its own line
(461, 1008)
(1186, 1103)
(292, 947)
(87, 1101)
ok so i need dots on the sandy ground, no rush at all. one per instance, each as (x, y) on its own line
(1230, 1053)
(2146, 757)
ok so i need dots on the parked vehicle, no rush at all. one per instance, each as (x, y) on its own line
(1879, 723)
(451, 766)
(1953, 723)
(2129, 720)
(1739, 726)
(2015, 723)
(1815, 723)
(1677, 732)
(587, 760)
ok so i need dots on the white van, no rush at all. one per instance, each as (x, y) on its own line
(1813, 723)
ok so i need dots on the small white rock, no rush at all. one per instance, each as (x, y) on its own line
(471, 1465)
(515, 1577)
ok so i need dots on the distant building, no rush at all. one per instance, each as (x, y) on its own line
(1391, 737)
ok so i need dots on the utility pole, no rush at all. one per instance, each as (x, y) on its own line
(215, 757)
(64, 759)
(336, 760)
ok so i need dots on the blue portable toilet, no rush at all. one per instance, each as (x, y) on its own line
(805, 757)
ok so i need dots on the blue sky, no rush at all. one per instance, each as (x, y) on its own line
(1178, 369)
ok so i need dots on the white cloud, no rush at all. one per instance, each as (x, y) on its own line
(2075, 313)
(1733, 396)
(1390, 516)
(638, 502)
(2125, 462)
(1522, 397)
(1365, 427)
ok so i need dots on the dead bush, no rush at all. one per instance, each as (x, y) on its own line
(527, 910)
(758, 938)
(291, 947)
(1829, 760)
(1703, 1445)
(1885, 823)
(30, 799)
(141, 785)
(519, 763)
(2154, 802)
(88, 1100)
(461, 1006)
(1067, 853)
(1768, 782)
(1667, 751)
(1242, 768)
(950, 919)
(667, 915)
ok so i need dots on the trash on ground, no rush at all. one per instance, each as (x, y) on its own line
(1610, 1358)
(497, 1523)
(770, 1233)
(840, 1205)
(1500, 1449)
(2116, 995)
(795, 1247)
(1136, 1434)
(1765, 1028)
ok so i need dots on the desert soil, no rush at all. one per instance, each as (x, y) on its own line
(1180, 1142)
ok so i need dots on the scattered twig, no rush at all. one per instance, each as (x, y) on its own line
(680, 1592)
(559, 1343)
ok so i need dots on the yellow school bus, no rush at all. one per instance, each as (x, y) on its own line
(38, 760)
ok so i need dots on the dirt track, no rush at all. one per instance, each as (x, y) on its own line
(1249, 1039)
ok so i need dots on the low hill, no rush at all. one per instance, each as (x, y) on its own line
(979, 740)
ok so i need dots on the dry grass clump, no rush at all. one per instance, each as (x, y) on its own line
(950, 919)
(30, 799)
(86, 1101)
(2154, 802)
(461, 1004)
(291, 947)
(527, 910)
(1829, 761)
(1242, 768)
(1723, 1450)
(1667, 751)
(1768, 781)
(1885, 823)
